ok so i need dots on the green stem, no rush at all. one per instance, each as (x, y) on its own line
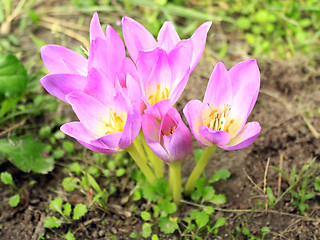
(156, 162)
(136, 156)
(139, 148)
(199, 168)
(175, 181)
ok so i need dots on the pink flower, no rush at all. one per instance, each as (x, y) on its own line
(108, 127)
(230, 97)
(164, 75)
(69, 71)
(165, 133)
(138, 38)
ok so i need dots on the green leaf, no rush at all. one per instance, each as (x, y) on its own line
(218, 199)
(202, 219)
(317, 184)
(270, 196)
(220, 222)
(6, 178)
(75, 167)
(68, 146)
(221, 174)
(13, 77)
(134, 235)
(52, 222)
(149, 193)
(146, 216)
(146, 230)
(209, 210)
(93, 183)
(167, 225)
(120, 172)
(14, 200)
(154, 237)
(26, 154)
(79, 211)
(137, 195)
(69, 236)
(69, 183)
(7, 104)
(168, 206)
(208, 193)
(56, 205)
(67, 209)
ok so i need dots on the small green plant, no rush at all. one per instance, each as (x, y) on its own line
(64, 209)
(7, 179)
(301, 183)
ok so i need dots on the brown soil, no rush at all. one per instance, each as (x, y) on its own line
(287, 109)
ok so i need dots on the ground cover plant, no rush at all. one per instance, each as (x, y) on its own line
(53, 188)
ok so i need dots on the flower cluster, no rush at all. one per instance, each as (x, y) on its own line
(114, 96)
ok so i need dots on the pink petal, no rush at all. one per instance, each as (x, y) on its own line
(245, 137)
(131, 128)
(179, 60)
(245, 80)
(145, 64)
(177, 91)
(179, 143)
(213, 136)
(59, 59)
(95, 28)
(219, 90)
(136, 37)
(198, 39)
(99, 87)
(59, 85)
(159, 109)
(168, 37)
(84, 137)
(110, 140)
(90, 111)
(192, 112)
(150, 128)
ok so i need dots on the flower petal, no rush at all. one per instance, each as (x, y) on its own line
(245, 80)
(168, 37)
(136, 37)
(99, 87)
(176, 137)
(245, 137)
(199, 38)
(179, 60)
(132, 127)
(59, 85)
(95, 28)
(90, 112)
(110, 140)
(219, 90)
(145, 64)
(84, 137)
(150, 128)
(192, 112)
(213, 136)
(159, 109)
(58, 59)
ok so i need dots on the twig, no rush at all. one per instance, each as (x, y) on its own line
(19, 124)
(310, 126)
(64, 23)
(279, 174)
(265, 176)
(250, 179)
(257, 211)
(68, 32)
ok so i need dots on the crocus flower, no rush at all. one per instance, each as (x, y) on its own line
(221, 118)
(105, 127)
(69, 71)
(165, 133)
(164, 75)
(138, 38)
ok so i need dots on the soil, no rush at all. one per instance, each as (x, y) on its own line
(288, 111)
